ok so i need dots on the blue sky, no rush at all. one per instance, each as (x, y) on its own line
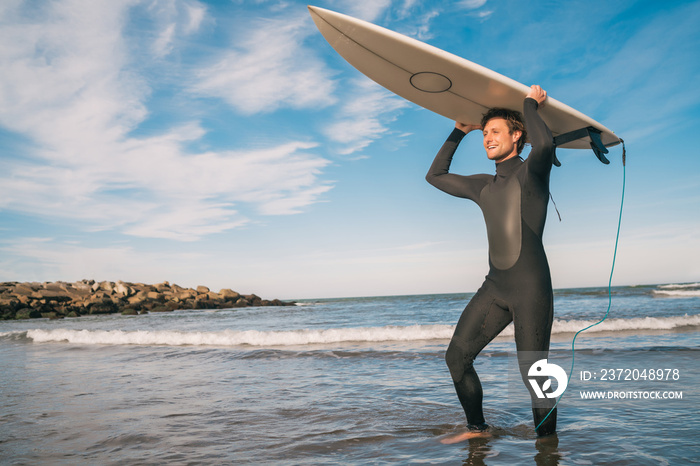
(225, 143)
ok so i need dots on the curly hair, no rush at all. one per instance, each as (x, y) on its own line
(514, 120)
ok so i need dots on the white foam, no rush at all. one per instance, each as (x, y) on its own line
(637, 323)
(677, 292)
(331, 336)
(674, 286)
(245, 337)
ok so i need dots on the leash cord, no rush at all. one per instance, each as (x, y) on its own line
(612, 270)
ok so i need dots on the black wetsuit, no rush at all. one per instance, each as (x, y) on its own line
(518, 287)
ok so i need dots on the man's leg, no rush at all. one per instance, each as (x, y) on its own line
(533, 327)
(481, 321)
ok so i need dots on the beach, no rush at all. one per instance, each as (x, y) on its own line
(351, 381)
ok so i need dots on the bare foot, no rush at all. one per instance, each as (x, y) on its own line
(466, 435)
(548, 441)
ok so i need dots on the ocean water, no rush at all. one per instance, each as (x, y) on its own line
(348, 381)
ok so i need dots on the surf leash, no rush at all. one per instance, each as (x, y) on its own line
(612, 270)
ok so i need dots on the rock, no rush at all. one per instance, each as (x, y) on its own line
(23, 290)
(8, 300)
(148, 306)
(138, 299)
(96, 297)
(58, 286)
(122, 289)
(52, 294)
(229, 294)
(186, 294)
(107, 287)
(103, 307)
(79, 292)
(254, 300)
(27, 313)
(171, 306)
(162, 287)
(62, 299)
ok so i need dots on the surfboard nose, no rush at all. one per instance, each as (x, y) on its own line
(317, 14)
(314, 10)
(326, 15)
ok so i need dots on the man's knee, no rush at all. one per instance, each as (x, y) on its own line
(458, 360)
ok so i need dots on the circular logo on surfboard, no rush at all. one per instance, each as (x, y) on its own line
(427, 81)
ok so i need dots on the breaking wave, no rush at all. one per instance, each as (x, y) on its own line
(257, 338)
(681, 290)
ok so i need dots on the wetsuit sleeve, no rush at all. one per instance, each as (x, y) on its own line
(542, 153)
(439, 174)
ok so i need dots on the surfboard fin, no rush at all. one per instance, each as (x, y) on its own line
(597, 145)
(590, 132)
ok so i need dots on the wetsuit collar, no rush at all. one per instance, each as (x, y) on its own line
(507, 167)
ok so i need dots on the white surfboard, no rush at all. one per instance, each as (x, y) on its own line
(445, 83)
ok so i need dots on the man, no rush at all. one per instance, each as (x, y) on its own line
(518, 287)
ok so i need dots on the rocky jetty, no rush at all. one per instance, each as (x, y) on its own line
(60, 299)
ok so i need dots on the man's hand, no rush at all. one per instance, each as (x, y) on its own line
(537, 93)
(466, 129)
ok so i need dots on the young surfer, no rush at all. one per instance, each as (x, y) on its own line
(518, 286)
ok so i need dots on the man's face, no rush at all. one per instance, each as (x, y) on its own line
(499, 142)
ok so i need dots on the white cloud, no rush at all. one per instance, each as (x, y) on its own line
(174, 17)
(262, 75)
(475, 5)
(69, 87)
(71, 64)
(471, 4)
(163, 45)
(485, 14)
(408, 4)
(363, 116)
(423, 27)
(369, 10)
(150, 187)
(195, 15)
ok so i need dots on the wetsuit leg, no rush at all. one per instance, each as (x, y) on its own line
(532, 321)
(482, 320)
